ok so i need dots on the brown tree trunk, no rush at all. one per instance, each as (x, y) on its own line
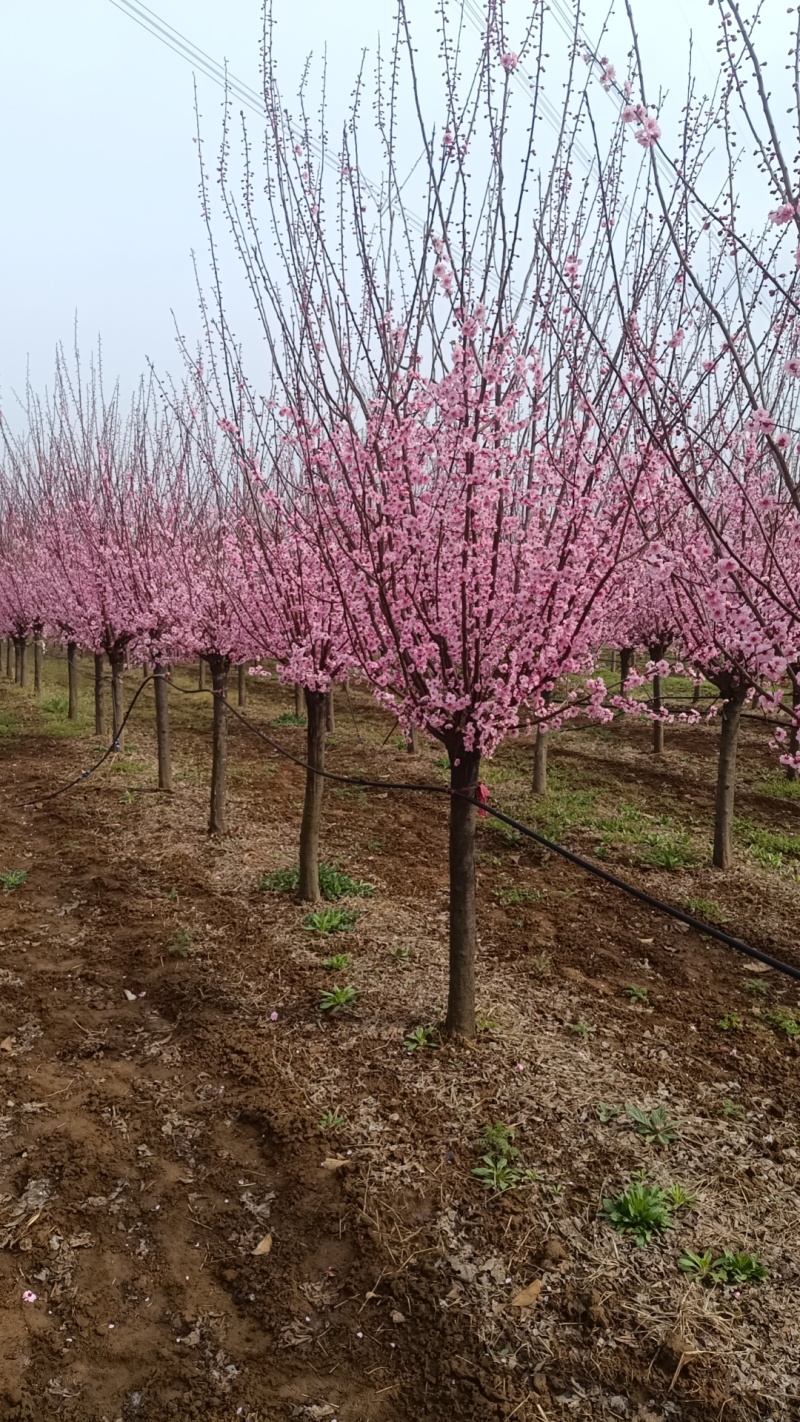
(330, 713)
(731, 720)
(99, 696)
(145, 670)
(219, 667)
(201, 676)
(794, 730)
(241, 679)
(539, 782)
(696, 693)
(464, 768)
(117, 660)
(658, 726)
(312, 804)
(162, 727)
(298, 700)
(38, 658)
(625, 664)
(72, 680)
(412, 744)
(9, 658)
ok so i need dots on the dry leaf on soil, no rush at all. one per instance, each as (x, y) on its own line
(526, 1298)
(264, 1245)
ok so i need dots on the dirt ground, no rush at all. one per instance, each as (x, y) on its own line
(231, 1204)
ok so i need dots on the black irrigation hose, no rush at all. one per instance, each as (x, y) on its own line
(640, 895)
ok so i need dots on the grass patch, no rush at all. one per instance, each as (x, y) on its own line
(333, 883)
(289, 718)
(708, 909)
(332, 920)
(767, 847)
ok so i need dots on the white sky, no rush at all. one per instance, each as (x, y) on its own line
(100, 210)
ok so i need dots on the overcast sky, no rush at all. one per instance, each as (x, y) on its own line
(100, 211)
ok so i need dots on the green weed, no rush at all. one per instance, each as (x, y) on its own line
(542, 965)
(333, 883)
(55, 706)
(582, 1029)
(402, 954)
(756, 987)
(331, 1121)
(418, 1039)
(641, 1210)
(728, 1268)
(289, 718)
(506, 897)
(784, 1019)
(181, 944)
(337, 998)
(332, 920)
(605, 1113)
(337, 962)
(730, 1022)
(706, 908)
(637, 994)
(13, 879)
(652, 1126)
(730, 1108)
(645, 1210)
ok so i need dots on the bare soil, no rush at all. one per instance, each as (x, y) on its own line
(165, 1070)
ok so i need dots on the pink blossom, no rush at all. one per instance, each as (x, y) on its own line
(782, 214)
(28, 1296)
(629, 114)
(509, 61)
(792, 367)
(677, 339)
(763, 421)
(649, 133)
(608, 75)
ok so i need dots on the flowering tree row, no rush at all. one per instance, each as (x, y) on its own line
(509, 418)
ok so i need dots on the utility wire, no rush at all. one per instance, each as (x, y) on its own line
(707, 929)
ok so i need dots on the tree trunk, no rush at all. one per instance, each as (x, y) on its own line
(99, 696)
(219, 667)
(9, 657)
(201, 676)
(731, 720)
(696, 693)
(794, 730)
(162, 728)
(72, 680)
(298, 700)
(330, 713)
(539, 783)
(241, 676)
(316, 702)
(38, 658)
(22, 661)
(625, 664)
(464, 768)
(658, 726)
(412, 744)
(117, 660)
(145, 670)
